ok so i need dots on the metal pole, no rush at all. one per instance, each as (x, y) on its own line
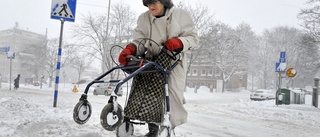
(58, 65)
(279, 89)
(106, 39)
(10, 72)
(315, 93)
(0, 81)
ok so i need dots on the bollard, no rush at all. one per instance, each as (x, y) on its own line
(315, 93)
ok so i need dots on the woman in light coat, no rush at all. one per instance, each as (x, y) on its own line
(174, 29)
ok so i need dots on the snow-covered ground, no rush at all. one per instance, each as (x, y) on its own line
(29, 112)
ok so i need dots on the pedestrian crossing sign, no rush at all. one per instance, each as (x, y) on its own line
(63, 9)
(281, 67)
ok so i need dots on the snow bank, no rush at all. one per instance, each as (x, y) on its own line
(29, 111)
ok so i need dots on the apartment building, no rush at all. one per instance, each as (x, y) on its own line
(25, 44)
(207, 74)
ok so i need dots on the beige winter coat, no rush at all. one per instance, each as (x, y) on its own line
(176, 23)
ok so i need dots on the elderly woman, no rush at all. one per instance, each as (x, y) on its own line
(174, 29)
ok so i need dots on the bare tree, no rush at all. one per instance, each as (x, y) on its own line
(225, 50)
(81, 62)
(251, 41)
(33, 58)
(51, 57)
(203, 20)
(123, 20)
(293, 42)
(263, 68)
(92, 32)
(308, 61)
(311, 22)
(310, 18)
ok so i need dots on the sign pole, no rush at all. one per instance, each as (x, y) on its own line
(279, 88)
(63, 11)
(58, 65)
(315, 93)
(280, 67)
(10, 73)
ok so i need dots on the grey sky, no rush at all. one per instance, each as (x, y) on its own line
(34, 15)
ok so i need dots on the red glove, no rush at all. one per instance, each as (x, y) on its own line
(130, 49)
(174, 44)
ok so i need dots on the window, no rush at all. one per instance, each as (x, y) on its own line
(217, 73)
(194, 72)
(203, 72)
(210, 72)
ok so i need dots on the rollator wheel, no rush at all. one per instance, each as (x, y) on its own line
(82, 112)
(125, 130)
(109, 119)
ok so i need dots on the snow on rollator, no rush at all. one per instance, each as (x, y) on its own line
(148, 100)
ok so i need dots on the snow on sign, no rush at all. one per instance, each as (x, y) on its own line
(11, 55)
(65, 9)
(281, 67)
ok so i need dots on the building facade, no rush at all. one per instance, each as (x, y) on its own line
(26, 46)
(203, 73)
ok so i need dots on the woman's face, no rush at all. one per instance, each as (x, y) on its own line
(156, 8)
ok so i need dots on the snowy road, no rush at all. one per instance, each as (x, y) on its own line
(235, 115)
(29, 112)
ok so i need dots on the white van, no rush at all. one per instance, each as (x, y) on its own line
(262, 94)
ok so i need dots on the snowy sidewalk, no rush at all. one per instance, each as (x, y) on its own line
(29, 111)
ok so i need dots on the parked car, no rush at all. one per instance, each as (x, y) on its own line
(263, 94)
(36, 83)
(82, 81)
(106, 89)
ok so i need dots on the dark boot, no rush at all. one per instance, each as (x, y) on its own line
(153, 130)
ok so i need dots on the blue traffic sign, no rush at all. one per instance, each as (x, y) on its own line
(281, 67)
(11, 55)
(282, 55)
(4, 49)
(63, 9)
(282, 60)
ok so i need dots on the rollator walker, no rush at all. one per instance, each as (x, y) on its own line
(112, 116)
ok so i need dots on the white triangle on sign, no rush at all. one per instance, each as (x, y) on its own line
(282, 67)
